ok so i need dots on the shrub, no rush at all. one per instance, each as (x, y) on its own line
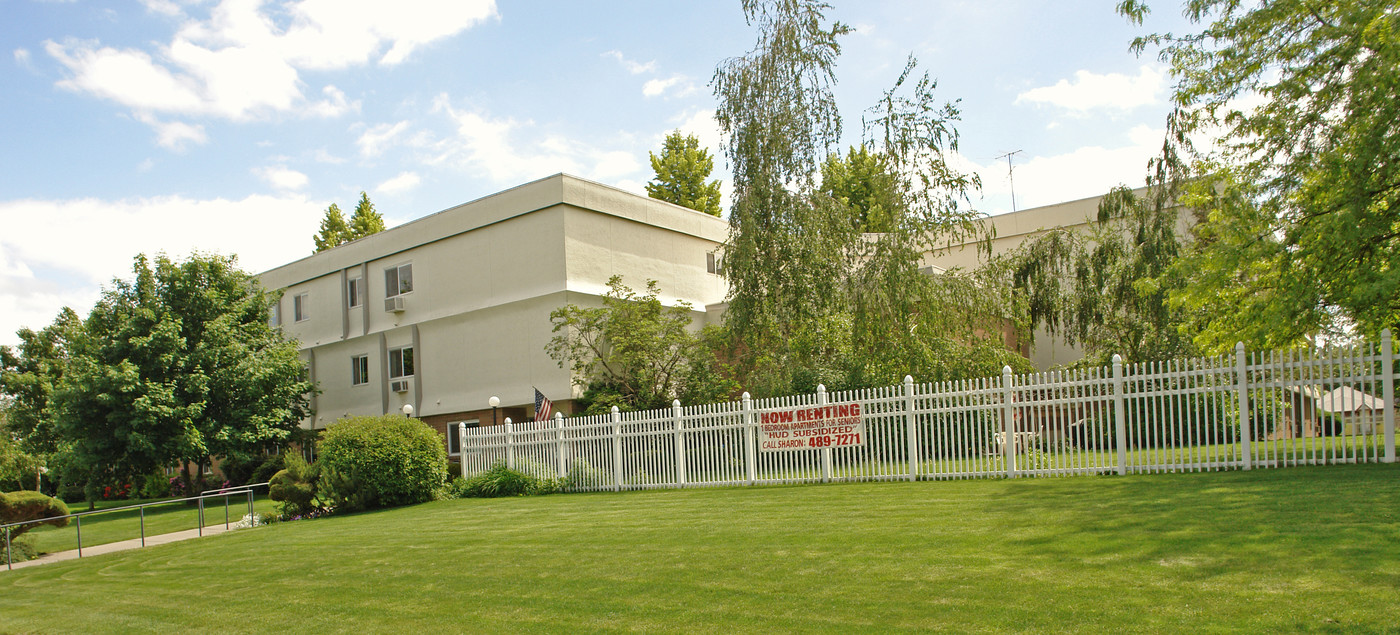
(154, 486)
(271, 465)
(239, 469)
(22, 548)
(18, 507)
(369, 462)
(295, 488)
(502, 481)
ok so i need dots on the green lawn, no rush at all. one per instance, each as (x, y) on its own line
(100, 529)
(1310, 549)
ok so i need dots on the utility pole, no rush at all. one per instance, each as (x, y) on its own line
(1011, 176)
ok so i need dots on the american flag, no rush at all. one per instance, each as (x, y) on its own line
(543, 407)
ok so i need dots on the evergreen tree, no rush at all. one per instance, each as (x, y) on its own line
(681, 171)
(365, 220)
(334, 232)
(864, 183)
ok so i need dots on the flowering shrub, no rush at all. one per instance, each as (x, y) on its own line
(118, 492)
(319, 512)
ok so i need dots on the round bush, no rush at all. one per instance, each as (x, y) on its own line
(369, 462)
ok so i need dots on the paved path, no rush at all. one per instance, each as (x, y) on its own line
(110, 547)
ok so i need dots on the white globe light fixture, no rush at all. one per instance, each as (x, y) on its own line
(494, 401)
(408, 410)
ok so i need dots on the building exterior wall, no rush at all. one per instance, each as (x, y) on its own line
(485, 277)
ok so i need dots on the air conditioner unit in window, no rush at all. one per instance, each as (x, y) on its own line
(399, 385)
(394, 304)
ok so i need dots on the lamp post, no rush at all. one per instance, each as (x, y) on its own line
(494, 401)
(408, 410)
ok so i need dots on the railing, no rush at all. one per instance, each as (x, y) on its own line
(226, 493)
(1240, 411)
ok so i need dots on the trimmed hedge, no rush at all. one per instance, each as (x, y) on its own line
(17, 507)
(369, 462)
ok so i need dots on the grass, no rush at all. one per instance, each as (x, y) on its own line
(1309, 549)
(100, 529)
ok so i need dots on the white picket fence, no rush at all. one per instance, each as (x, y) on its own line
(1249, 410)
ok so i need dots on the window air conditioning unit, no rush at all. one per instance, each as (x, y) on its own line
(399, 385)
(394, 304)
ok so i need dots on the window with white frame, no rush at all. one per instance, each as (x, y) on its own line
(301, 307)
(355, 292)
(359, 370)
(398, 280)
(711, 263)
(274, 314)
(401, 362)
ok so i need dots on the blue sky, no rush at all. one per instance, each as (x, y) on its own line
(229, 126)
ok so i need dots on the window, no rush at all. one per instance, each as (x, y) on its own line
(301, 309)
(355, 292)
(401, 362)
(398, 280)
(454, 437)
(359, 370)
(711, 264)
(274, 314)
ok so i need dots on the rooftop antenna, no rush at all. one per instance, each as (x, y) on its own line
(1010, 169)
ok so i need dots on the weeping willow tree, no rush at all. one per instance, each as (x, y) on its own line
(813, 299)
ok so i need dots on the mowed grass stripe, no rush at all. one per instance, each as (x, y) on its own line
(1298, 550)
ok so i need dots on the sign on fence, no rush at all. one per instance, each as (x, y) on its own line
(833, 426)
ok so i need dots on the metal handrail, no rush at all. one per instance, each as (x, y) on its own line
(225, 492)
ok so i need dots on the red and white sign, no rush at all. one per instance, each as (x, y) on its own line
(833, 426)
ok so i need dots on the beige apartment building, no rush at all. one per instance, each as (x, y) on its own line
(447, 311)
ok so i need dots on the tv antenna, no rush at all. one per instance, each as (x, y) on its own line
(1010, 169)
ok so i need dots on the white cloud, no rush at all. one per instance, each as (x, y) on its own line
(378, 138)
(244, 60)
(163, 7)
(335, 104)
(282, 178)
(323, 156)
(702, 125)
(657, 87)
(508, 151)
(404, 182)
(1090, 91)
(175, 135)
(1085, 172)
(22, 57)
(45, 264)
(632, 66)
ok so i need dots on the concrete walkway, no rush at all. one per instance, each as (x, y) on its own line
(111, 547)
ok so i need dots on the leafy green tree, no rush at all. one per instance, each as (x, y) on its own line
(681, 173)
(633, 352)
(1314, 168)
(334, 231)
(364, 221)
(1107, 288)
(28, 376)
(864, 183)
(811, 297)
(178, 364)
